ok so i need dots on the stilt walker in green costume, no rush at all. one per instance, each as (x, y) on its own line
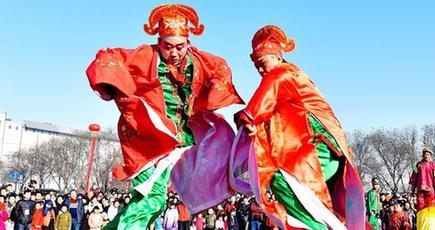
(373, 204)
(157, 89)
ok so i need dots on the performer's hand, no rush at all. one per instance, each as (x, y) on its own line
(250, 129)
(240, 119)
(240, 123)
(237, 119)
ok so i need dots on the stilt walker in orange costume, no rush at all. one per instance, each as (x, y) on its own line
(299, 151)
(166, 94)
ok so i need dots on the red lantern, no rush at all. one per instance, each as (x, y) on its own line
(94, 127)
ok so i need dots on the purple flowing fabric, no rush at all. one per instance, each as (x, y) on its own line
(348, 198)
(355, 207)
(200, 177)
(239, 157)
(243, 160)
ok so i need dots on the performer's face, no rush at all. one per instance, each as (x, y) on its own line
(173, 49)
(427, 156)
(377, 187)
(266, 63)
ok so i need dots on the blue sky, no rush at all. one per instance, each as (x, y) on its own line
(374, 61)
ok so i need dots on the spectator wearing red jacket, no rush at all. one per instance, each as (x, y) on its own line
(199, 221)
(38, 217)
(183, 217)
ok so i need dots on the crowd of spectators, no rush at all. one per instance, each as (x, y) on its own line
(54, 210)
(398, 211)
(35, 209)
(413, 209)
(238, 212)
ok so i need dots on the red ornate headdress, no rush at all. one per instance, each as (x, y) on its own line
(271, 40)
(173, 20)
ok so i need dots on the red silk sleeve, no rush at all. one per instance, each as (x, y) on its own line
(221, 90)
(217, 89)
(108, 73)
(274, 87)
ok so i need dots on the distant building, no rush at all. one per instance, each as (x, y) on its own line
(20, 136)
(16, 136)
